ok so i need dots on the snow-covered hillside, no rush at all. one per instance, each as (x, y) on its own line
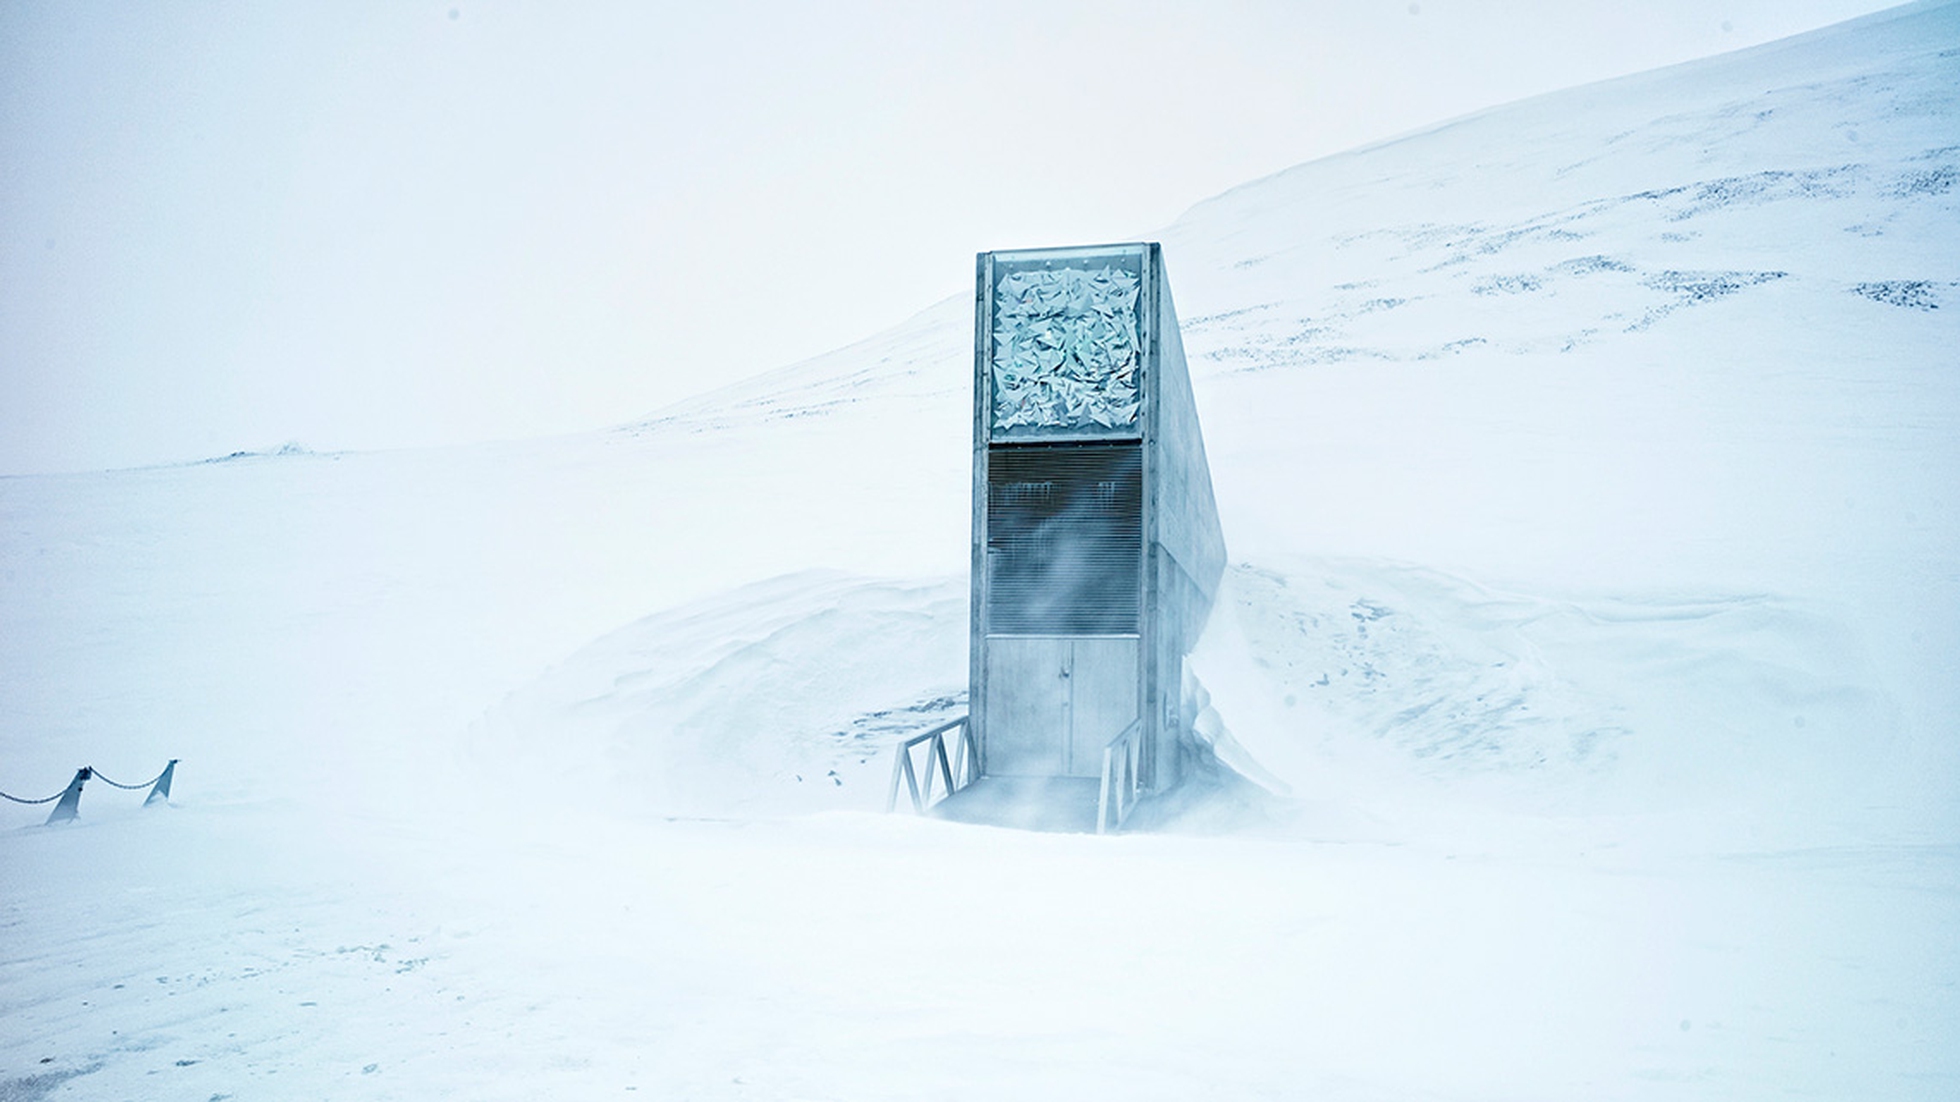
(1591, 473)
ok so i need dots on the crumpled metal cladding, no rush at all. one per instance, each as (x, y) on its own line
(1066, 349)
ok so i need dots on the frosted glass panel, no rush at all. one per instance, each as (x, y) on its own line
(1066, 350)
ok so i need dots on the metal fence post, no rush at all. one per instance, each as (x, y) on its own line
(71, 800)
(161, 791)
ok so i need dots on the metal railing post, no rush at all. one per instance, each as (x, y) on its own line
(161, 790)
(1102, 797)
(71, 799)
(891, 793)
(937, 760)
(1121, 768)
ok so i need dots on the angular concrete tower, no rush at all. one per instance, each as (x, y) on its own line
(1096, 545)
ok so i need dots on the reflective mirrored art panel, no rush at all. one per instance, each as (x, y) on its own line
(1067, 348)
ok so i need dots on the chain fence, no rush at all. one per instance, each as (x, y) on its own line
(71, 797)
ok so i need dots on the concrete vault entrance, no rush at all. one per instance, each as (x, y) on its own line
(1096, 545)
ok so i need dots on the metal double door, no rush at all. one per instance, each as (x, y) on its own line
(1054, 702)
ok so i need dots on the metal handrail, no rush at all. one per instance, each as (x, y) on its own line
(1121, 777)
(957, 770)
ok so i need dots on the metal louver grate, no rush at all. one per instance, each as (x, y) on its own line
(1064, 539)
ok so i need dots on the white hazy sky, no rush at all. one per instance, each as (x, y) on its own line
(359, 225)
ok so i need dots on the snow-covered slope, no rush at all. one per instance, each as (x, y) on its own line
(1589, 470)
(1668, 357)
(1683, 335)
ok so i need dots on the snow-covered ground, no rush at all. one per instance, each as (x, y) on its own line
(1591, 472)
